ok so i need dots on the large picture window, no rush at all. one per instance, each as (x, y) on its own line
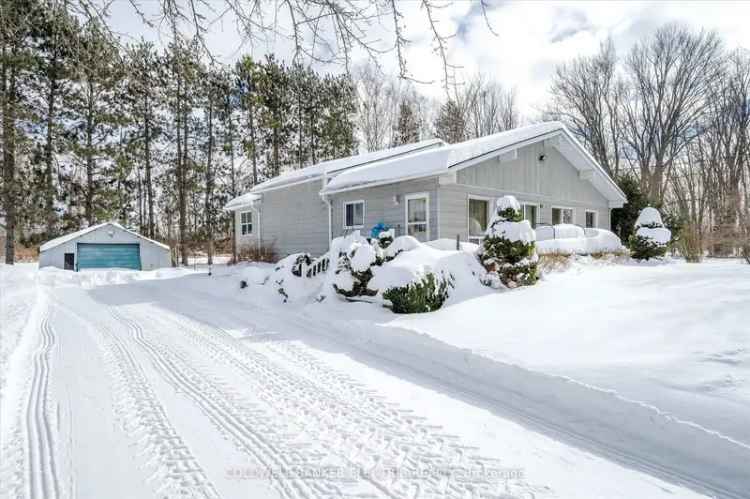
(530, 213)
(417, 209)
(478, 218)
(354, 214)
(590, 219)
(246, 223)
(562, 215)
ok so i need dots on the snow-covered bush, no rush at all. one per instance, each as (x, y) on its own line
(385, 238)
(651, 237)
(287, 279)
(424, 295)
(400, 244)
(355, 257)
(507, 250)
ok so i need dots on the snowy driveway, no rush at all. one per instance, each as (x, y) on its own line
(144, 390)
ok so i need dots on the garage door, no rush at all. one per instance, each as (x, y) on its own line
(98, 256)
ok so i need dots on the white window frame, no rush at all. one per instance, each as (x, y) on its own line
(469, 237)
(572, 211)
(417, 195)
(596, 219)
(538, 211)
(347, 203)
(250, 223)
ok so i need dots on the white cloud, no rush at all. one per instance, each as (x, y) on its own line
(532, 36)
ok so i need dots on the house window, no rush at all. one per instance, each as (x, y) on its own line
(354, 214)
(478, 217)
(590, 219)
(246, 223)
(417, 208)
(562, 216)
(530, 213)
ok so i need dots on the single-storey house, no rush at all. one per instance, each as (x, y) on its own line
(107, 245)
(430, 190)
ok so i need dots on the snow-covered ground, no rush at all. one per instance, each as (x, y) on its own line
(176, 384)
(675, 336)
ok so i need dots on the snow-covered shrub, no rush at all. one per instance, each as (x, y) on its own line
(401, 243)
(352, 257)
(651, 237)
(385, 238)
(508, 248)
(424, 295)
(287, 279)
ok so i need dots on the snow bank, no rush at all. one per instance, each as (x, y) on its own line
(446, 244)
(593, 241)
(596, 419)
(559, 231)
(401, 243)
(254, 274)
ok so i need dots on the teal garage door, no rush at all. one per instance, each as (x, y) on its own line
(99, 256)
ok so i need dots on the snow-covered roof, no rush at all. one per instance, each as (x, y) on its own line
(74, 235)
(243, 201)
(338, 165)
(464, 154)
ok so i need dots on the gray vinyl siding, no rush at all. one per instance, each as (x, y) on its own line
(386, 203)
(554, 182)
(292, 219)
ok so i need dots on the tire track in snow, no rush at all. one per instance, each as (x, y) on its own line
(362, 426)
(42, 475)
(243, 425)
(143, 416)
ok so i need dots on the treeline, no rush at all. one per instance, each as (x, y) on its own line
(670, 120)
(94, 130)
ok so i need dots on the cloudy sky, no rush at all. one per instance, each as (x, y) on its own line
(529, 39)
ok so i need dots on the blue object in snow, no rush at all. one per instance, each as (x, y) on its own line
(380, 227)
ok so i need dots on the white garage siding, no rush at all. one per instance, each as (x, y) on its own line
(153, 255)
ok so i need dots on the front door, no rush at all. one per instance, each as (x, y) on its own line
(70, 261)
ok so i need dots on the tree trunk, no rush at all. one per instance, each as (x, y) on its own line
(49, 188)
(183, 191)
(9, 157)
(209, 187)
(251, 118)
(232, 185)
(149, 187)
(90, 157)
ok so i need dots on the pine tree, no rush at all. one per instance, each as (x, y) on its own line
(248, 76)
(96, 112)
(407, 128)
(55, 38)
(450, 124)
(16, 24)
(144, 96)
(275, 97)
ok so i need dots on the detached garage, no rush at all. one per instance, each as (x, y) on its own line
(107, 245)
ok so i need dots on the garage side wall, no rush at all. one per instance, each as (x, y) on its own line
(152, 256)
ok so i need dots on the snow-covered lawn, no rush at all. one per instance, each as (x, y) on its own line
(675, 336)
(175, 384)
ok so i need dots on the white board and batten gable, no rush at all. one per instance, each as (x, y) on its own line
(446, 161)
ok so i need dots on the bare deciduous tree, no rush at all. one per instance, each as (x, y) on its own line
(668, 80)
(586, 96)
